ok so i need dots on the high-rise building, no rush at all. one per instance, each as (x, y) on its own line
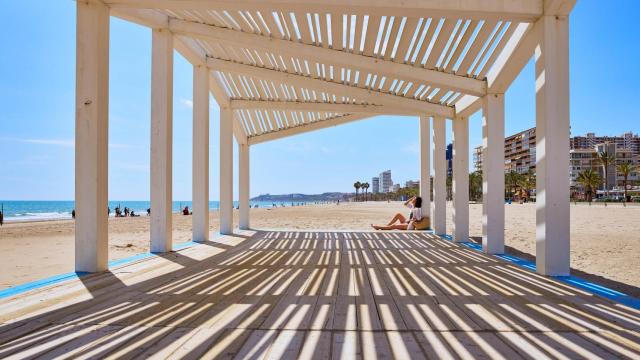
(412, 184)
(385, 181)
(628, 141)
(477, 158)
(375, 185)
(396, 187)
(520, 152)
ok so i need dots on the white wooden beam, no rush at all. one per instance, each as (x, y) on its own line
(196, 56)
(521, 10)
(460, 182)
(320, 106)
(513, 58)
(92, 137)
(558, 7)
(468, 105)
(439, 206)
(493, 174)
(552, 146)
(389, 69)
(193, 54)
(328, 86)
(226, 171)
(149, 18)
(243, 185)
(161, 140)
(425, 164)
(316, 125)
(200, 165)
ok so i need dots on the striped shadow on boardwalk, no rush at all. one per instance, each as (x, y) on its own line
(319, 295)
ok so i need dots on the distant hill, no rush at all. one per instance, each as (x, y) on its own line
(328, 196)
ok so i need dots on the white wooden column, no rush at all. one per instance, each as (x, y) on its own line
(200, 167)
(493, 174)
(161, 139)
(92, 129)
(243, 186)
(439, 206)
(425, 164)
(552, 147)
(226, 171)
(461, 179)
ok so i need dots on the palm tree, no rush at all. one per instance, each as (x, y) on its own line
(511, 180)
(527, 182)
(475, 185)
(590, 180)
(625, 169)
(365, 186)
(606, 159)
(357, 185)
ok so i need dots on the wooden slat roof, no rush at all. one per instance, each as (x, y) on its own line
(416, 58)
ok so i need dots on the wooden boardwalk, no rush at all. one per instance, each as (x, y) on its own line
(318, 295)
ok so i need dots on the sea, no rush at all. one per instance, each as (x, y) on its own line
(59, 210)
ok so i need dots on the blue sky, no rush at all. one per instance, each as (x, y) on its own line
(37, 80)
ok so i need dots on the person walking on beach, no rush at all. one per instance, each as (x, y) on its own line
(1, 218)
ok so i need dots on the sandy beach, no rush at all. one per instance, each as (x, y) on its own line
(605, 242)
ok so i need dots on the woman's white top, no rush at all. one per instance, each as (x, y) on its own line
(417, 216)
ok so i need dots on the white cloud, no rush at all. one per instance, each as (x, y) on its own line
(187, 103)
(411, 148)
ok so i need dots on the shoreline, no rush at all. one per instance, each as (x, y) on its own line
(35, 216)
(14, 220)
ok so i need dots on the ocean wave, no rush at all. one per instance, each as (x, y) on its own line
(30, 216)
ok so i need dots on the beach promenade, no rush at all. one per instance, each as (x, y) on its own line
(307, 294)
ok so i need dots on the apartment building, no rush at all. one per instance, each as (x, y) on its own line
(375, 185)
(386, 184)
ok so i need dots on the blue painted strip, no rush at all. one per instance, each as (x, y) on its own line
(583, 284)
(129, 259)
(184, 245)
(19, 289)
(518, 261)
(472, 245)
(22, 288)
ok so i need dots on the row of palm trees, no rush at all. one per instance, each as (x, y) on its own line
(591, 179)
(361, 185)
(522, 184)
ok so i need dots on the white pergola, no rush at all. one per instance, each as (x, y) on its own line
(278, 68)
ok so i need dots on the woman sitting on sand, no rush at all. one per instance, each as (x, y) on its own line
(416, 220)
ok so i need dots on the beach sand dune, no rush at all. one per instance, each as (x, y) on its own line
(605, 242)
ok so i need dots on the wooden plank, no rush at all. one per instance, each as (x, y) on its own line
(461, 45)
(407, 36)
(441, 42)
